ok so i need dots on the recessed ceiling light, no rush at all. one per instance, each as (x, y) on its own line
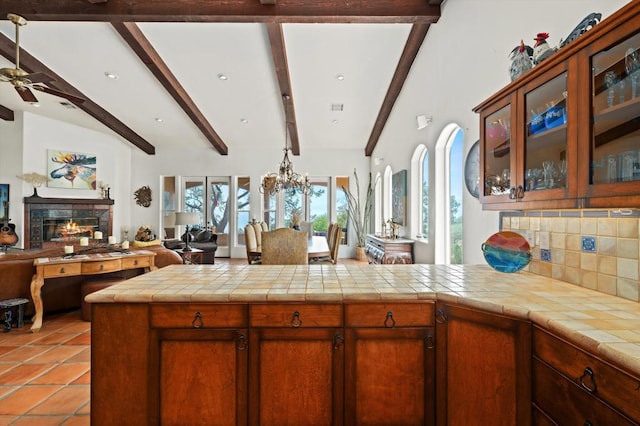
(244, 120)
(340, 77)
(35, 104)
(334, 121)
(111, 75)
(159, 120)
(222, 77)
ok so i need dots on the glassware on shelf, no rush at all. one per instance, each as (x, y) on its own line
(627, 163)
(610, 80)
(611, 168)
(632, 66)
(620, 89)
(562, 171)
(549, 171)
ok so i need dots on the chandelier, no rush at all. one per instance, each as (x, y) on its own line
(286, 179)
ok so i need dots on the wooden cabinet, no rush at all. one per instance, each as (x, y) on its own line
(483, 368)
(390, 364)
(388, 251)
(199, 354)
(558, 136)
(296, 373)
(572, 386)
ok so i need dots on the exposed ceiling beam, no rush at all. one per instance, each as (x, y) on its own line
(30, 64)
(279, 53)
(334, 11)
(131, 33)
(411, 49)
(6, 113)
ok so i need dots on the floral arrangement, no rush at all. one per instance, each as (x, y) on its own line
(145, 233)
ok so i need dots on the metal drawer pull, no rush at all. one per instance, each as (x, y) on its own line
(296, 321)
(101, 267)
(589, 372)
(429, 342)
(241, 342)
(389, 322)
(588, 423)
(338, 341)
(135, 262)
(441, 317)
(197, 320)
(62, 270)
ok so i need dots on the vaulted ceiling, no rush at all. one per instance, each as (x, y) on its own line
(226, 75)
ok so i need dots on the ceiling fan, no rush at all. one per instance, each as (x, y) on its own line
(23, 81)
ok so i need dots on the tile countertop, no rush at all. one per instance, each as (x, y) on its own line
(606, 325)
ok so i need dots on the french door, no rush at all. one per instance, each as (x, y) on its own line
(209, 196)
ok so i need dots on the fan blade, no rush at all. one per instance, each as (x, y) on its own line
(72, 98)
(26, 94)
(39, 77)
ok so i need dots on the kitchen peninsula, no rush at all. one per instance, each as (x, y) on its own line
(349, 344)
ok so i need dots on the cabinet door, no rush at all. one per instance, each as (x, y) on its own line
(546, 159)
(483, 363)
(614, 151)
(497, 152)
(390, 363)
(296, 376)
(202, 377)
(390, 376)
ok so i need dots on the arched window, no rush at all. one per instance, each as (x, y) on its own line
(377, 208)
(448, 197)
(420, 191)
(386, 194)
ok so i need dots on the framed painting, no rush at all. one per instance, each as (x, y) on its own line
(71, 170)
(4, 200)
(399, 197)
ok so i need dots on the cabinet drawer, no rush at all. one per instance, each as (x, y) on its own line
(168, 315)
(62, 270)
(615, 386)
(295, 315)
(390, 315)
(567, 403)
(136, 262)
(101, 267)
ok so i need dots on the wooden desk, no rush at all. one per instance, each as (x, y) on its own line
(85, 264)
(317, 246)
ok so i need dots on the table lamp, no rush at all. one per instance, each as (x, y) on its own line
(184, 218)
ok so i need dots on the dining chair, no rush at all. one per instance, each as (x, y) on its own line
(334, 235)
(284, 246)
(251, 244)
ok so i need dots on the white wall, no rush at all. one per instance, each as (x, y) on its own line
(460, 66)
(11, 167)
(113, 163)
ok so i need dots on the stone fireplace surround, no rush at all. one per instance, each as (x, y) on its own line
(38, 208)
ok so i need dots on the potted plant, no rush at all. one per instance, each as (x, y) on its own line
(359, 212)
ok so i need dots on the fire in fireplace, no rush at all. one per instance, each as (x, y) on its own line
(68, 229)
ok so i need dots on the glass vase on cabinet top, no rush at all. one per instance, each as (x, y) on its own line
(615, 144)
(546, 135)
(497, 156)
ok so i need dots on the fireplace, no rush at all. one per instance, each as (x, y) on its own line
(54, 222)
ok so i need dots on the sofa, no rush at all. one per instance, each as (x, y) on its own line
(202, 239)
(16, 271)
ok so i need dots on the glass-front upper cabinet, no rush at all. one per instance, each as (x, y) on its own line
(497, 153)
(545, 143)
(615, 142)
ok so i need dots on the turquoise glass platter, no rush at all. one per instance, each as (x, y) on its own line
(507, 251)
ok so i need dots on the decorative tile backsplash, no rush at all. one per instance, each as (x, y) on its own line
(596, 249)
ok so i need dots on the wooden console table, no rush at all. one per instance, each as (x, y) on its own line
(84, 264)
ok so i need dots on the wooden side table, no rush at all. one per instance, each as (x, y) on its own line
(191, 257)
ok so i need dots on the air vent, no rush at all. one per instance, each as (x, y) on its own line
(68, 105)
(337, 107)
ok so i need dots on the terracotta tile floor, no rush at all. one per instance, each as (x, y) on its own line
(44, 377)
